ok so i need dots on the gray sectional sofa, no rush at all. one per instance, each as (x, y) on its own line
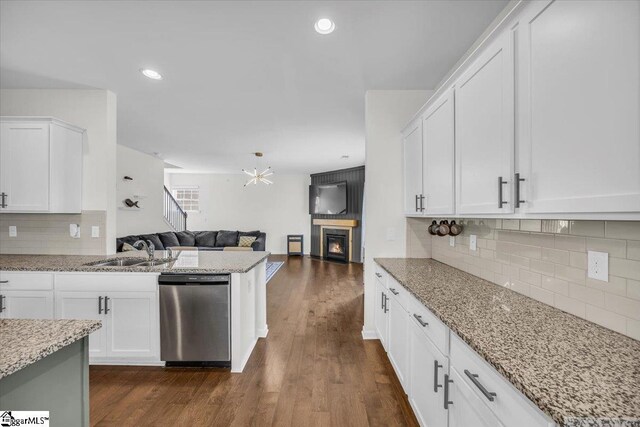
(203, 240)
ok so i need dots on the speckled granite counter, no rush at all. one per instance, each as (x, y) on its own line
(577, 372)
(187, 262)
(25, 341)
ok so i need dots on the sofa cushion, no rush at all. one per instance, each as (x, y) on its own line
(227, 238)
(255, 234)
(205, 238)
(153, 238)
(127, 239)
(169, 239)
(186, 238)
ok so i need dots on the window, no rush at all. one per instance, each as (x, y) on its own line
(188, 198)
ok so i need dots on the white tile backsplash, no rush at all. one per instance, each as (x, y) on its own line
(547, 260)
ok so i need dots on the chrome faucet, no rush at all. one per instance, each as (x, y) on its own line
(150, 248)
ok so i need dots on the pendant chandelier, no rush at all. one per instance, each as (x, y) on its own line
(255, 176)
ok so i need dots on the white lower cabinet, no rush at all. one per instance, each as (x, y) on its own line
(427, 369)
(127, 305)
(381, 318)
(398, 347)
(465, 407)
(89, 306)
(26, 304)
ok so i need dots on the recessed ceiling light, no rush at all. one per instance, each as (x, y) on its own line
(325, 26)
(152, 74)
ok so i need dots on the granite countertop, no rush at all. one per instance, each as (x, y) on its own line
(25, 341)
(577, 372)
(187, 262)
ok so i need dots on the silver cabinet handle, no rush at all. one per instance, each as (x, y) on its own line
(516, 181)
(3, 196)
(2, 306)
(378, 275)
(417, 208)
(436, 386)
(393, 291)
(501, 182)
(106, 305)
(474, 379)
(386, 307)
(419, 319)
(99, 305)
(422, 203)
(382, 300)
(4, 281)
(447, 381)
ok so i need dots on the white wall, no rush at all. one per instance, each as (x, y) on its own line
(147, 188)
(386, 114)
(278, 209)
(94, 110)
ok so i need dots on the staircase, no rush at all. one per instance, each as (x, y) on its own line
(173, 213)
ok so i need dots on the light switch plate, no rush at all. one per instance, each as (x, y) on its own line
(473, 244)
(95, 231)
(598, 265)
(74, 231)
(452, 241)
(13, 231)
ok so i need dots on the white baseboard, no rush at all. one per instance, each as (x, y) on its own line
(369, 335)
(262, 333)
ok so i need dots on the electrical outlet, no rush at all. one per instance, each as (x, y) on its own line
(598, 265)
(13, 231)
(452, 241)
(473, 244)
(74, 231)
(95, 231)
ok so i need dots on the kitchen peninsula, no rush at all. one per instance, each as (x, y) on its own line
(75, 287)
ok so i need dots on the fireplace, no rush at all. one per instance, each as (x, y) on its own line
(336, 244)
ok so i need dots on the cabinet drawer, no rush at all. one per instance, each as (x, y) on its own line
(399, 292)
(100, 282)
(27, 281)
(437, 331)
(381, 275)
(509, 405)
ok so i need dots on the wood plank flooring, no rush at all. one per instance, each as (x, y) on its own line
(314, 368)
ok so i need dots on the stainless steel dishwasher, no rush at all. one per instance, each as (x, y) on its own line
(195, 326)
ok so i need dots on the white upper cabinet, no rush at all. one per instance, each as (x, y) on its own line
(579, 106)
(484, 125)
(438, 156)
(412, 145)
(40, 166)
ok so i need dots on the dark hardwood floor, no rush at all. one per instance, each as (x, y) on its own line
(313, 369)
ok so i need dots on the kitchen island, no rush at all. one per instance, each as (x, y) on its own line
(125, 298)
(44, 367)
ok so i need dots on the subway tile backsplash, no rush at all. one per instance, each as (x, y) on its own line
(48, 234)
(547, 260)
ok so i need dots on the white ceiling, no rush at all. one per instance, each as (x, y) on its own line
(240, 76)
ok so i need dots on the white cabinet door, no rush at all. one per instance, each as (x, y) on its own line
(398, 346)
(85, 305)
(438, 150)
(466, 409)
(578, 106)
(24, 166)
(26, 304)
(412, 147)
(484, 125)
(133, 329)
(428, 367)
(381, 318)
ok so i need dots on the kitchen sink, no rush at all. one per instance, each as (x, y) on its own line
(124, 262)
(153, 263)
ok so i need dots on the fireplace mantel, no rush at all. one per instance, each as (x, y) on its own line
(340, 224)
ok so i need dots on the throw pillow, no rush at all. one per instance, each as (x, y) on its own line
(169, 239)
(153, 238)
(246, 241)
(127, 248)
(205, 239)
(186, 238)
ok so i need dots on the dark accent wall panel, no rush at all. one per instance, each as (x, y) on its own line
(355, 193)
